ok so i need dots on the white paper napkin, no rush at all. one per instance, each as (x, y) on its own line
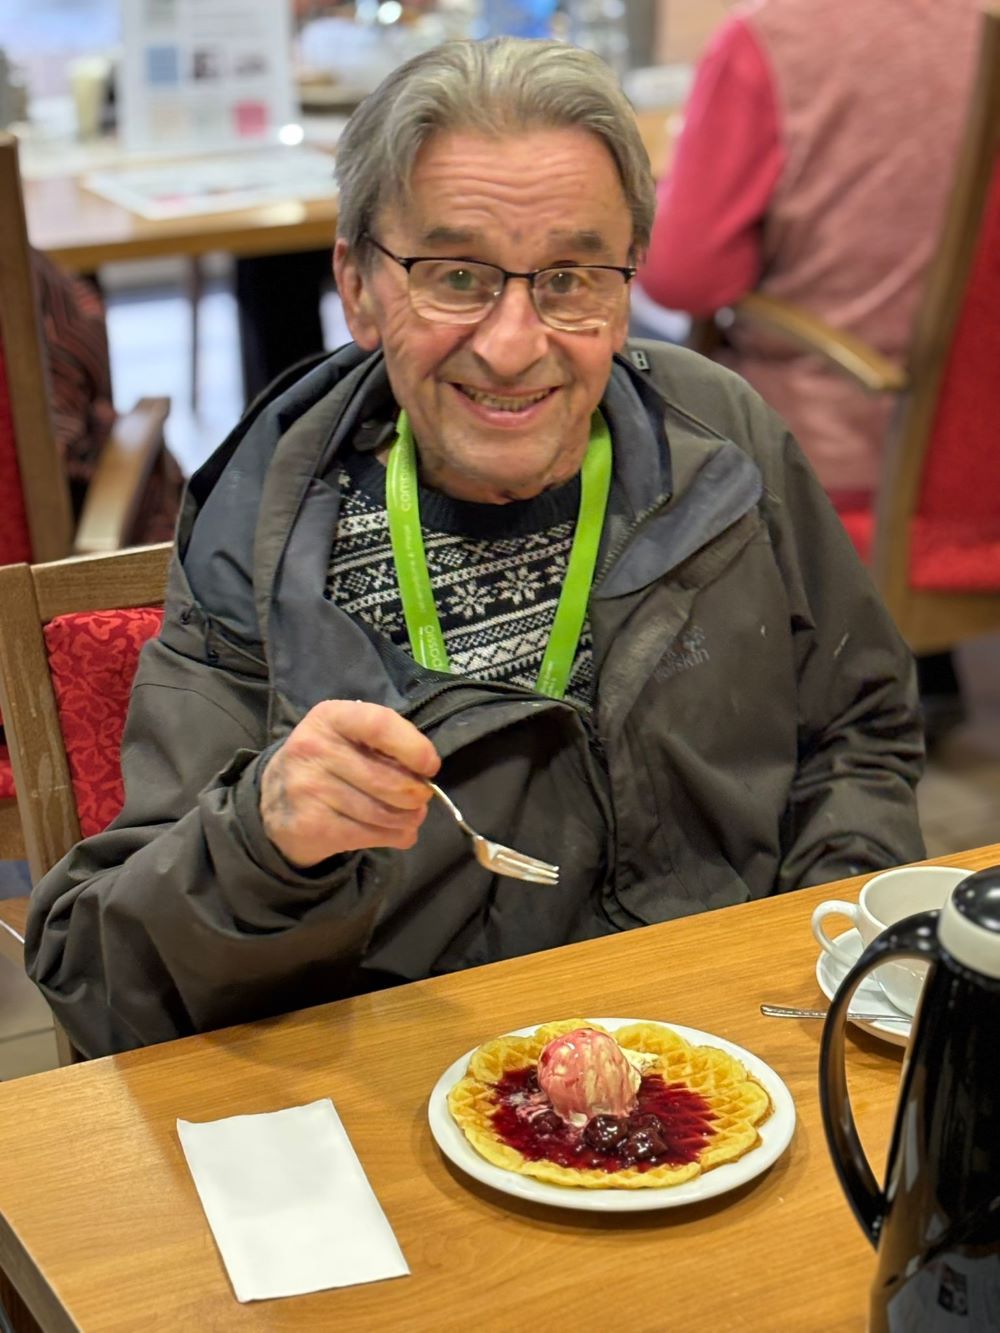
(288, 1202)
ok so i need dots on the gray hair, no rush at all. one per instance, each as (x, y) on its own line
(492, 87)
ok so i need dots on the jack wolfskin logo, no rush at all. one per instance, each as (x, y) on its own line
(689, 651)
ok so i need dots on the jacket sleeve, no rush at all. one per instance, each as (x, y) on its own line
(705, 247)
(852, 804)
(182, 916)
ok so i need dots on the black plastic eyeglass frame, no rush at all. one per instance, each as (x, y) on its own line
(628, 272)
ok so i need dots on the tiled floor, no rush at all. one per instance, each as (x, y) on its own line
(959, 796)
(27, 1042)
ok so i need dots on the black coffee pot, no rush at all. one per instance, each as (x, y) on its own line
(936, 1224)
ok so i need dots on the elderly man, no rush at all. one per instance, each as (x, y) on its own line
(599, 597)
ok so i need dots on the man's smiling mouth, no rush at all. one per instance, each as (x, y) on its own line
(502, 402)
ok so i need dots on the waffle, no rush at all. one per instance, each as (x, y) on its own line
(739, 1104)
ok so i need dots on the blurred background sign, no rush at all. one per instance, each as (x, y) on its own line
(202, 74)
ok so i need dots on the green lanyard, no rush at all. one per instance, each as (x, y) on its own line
(419, 609)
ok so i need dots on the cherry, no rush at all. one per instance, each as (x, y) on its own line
(642, 1145)
(546, 1124)
(604, 1133)
(648, 1120)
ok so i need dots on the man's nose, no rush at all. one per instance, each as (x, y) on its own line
(511, 337)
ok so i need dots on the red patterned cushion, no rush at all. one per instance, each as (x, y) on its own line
(15, 540)
(956, 531)
(93, 656)
(6, 775)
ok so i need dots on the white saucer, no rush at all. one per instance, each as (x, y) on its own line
(868, 998)
(775, 1134)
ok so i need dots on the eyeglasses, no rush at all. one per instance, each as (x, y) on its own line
(571, 297)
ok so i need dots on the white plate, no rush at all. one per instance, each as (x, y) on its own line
(775, 1133)
(868, 998)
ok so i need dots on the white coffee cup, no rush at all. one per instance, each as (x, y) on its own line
(884, 900)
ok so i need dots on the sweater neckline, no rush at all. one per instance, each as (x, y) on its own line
(468, 518)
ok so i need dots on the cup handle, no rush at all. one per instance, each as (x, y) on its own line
(916, 937)
(834, 907)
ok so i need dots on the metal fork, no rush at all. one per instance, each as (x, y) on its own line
(494, 855)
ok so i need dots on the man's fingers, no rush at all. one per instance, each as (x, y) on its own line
(350, 775)
(367, 771)
(322, 762)
(379, 729)
(347, 826)
(364, 806)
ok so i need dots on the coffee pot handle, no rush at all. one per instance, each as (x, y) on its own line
(915, 937)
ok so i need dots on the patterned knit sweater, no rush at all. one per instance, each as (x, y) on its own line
(496, 570)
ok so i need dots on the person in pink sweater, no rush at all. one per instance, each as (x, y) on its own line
(818, 147)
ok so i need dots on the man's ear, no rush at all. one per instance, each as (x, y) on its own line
(356, 297)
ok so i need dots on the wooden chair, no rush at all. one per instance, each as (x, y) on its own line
(70, 636)
(36, 519)
(39, 606)
(933, 537)
(42, 520)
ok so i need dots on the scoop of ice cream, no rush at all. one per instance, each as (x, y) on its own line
(585, 1073)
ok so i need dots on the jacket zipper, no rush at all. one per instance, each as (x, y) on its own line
(612, 556)
(466, 682)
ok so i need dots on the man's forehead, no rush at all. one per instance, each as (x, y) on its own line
(553, 186)
(437, 234)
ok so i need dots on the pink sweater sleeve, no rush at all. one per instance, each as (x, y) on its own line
(705, 248)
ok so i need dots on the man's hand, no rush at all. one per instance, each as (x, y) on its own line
(348, 776)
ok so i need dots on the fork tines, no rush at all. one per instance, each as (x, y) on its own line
(526, 867)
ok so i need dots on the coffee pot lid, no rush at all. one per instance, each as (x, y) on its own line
(969, 926)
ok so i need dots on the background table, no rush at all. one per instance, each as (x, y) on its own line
(80, 230)
(102, 1230)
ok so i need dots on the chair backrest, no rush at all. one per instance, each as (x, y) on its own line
(36, 520)
(70, 637)
(936, 554)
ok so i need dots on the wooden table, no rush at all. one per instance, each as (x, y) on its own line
(101, 1228)
(80, 230)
